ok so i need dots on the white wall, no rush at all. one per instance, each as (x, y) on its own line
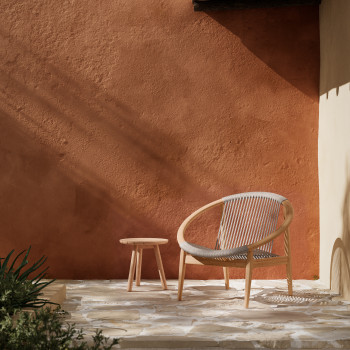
(334, 144)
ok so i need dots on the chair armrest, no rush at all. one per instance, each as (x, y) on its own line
(189, 219)
(288, 216)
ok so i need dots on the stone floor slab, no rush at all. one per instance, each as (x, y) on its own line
(210, 316)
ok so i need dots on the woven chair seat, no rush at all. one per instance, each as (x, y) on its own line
(239, 253)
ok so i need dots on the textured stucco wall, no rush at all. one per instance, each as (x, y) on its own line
(334, 144)
(119, 118)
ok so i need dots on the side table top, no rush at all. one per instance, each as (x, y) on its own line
(143, 241)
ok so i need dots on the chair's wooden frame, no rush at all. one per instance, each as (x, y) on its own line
(250, 263)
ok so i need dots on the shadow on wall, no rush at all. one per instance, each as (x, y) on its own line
(335, 48)
(66, 215)
(285, 39)
(81, 169)
(112, 136)
(340, 267)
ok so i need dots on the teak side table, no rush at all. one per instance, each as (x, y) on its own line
(138, 244)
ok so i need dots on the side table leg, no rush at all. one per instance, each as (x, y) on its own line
(160, 266)
(138, 267)
(132, 268)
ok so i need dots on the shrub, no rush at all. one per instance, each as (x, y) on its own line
(17, 290)
(44, 330)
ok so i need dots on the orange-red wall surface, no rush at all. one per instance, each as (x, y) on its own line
(120, 118)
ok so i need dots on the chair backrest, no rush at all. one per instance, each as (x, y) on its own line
(247, 218)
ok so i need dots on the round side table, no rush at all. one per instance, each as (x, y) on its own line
(138, 244)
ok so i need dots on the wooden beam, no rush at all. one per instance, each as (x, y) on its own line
(220, 5)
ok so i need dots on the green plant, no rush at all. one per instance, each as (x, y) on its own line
(17, 290)
(44, 330)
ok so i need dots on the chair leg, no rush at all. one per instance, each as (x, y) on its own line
(227, 278)
(289, 263)
(289, 277)
(248, 279)
(182, 270)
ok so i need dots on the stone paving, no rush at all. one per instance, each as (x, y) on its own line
(210, 316)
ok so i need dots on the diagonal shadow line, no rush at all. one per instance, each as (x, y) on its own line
(100, 189)
(158, 158)
(150, 148)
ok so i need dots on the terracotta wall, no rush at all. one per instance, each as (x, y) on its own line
(334, 145)
(119, 118)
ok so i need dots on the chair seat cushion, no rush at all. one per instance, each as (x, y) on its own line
(239, 253)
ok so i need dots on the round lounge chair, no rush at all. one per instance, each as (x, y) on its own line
(245, 238)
